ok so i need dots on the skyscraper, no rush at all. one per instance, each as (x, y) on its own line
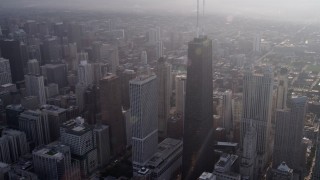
(17, 143)
(180, 93)
(56, 116)
(248, 164)
(144, 57)
(36, 126)
(53, 161)
(35, 87)
(56, 73)
(102, 137)
(51, 51)
(198, 127)
(257, 103)
(227, 110)
(111, 111)
(125, 76)
(33, 67)
(11, 50)
(85, 73)
(5, 72)
(316, 168)
(80, 137)
(282, 89)
(159, 49)
(289, 133)
(144, 115)
(163, 72)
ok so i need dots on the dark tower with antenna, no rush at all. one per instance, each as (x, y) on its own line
(198, 124)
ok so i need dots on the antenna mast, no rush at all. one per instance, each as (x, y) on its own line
(203, 10)
(198, 8)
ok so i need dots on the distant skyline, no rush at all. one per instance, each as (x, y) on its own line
(284, 9)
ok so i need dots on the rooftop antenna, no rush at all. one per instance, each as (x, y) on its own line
(198, 8)
(203, 11)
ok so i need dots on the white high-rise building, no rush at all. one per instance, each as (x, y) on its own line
(282, 90)
(144, 118)
(85, 73)
(144, 57)
(5, 72)
(247, 166)
(180, 92)
(33, 67)
(257, 106)
(35, 87)
(163, 72)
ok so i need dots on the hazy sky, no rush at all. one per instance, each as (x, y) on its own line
(283, 8)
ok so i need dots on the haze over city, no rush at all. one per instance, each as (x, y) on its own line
(159, 90)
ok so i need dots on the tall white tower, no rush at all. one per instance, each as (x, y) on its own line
(144, 115)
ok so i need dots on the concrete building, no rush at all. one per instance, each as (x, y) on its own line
(144, 115)
(289, 133)
(12, 115)
(180, 89)
(163, 72)
(166, 162)
(17, 141)
(226, 115)
(55, 73)
(102, 137)
(5, 72)
(4, 150)
(198, 117)
(283, 172)
(159, 50)
(236, 116)
(248, 161)
(81, 139)
(316, 168)
(85, 73)
(223, 168)
(53, 161)
(33, 67)
(257, 104)
(144, 57)
(207, 176)
(56, 116)
(36, 126)
(282, 90)
(35, 87)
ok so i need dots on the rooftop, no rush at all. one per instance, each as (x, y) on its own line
(76, 126)
(165, 149)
